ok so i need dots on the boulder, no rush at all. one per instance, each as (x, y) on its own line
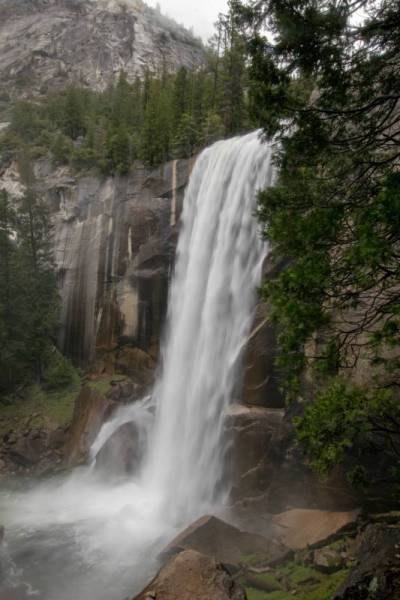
(328, 560)
(213, 537)
(122, 453)
(377, 574)
(192, 576)
(301, 528)
(90, 411)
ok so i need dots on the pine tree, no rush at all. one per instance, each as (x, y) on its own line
(9, 295)
(36, 265)
(73, 121)
(186, 138)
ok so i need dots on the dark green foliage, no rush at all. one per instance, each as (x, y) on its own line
(325, 85)
(152, 120)
(347, 422)
(59, 371)
(28, 289)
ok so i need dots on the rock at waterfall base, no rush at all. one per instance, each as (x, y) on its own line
(121, 454)
(192, 576)
(91, 410)
(224, 542)
(301, 528)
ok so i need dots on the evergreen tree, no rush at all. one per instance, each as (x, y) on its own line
(233, 75)
(36, 265)
(10, 288)
(73, 113)
(186, 138)
(326, 86)
(181, 95)
(212, 129)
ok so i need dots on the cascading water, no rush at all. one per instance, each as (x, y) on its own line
(111, 531)
(218, 268)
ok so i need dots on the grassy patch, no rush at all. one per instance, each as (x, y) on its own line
(297, 581)
(103, 384)
(37, 407)
(253, 560)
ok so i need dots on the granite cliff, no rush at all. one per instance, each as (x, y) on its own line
(47, 44)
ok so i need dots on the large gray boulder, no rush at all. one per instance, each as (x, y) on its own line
(224, 542)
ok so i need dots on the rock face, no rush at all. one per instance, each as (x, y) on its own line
(269, 472)
(37, 447)
(215, 538)
(192, 576)
(46, 44)
(377, 574)
(302, 528)
(122, 453)
(90, 412)
(114, 247)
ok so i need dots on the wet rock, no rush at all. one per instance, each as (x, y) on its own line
(261, 386)
(135, 360)
(377, 574)
(57, 438)
(122, 453)
(192, 576)
(267, 465)
(28, 448)
(124, 391)
(328, 560)
(90, 411)
(215, 538)
(301, 528)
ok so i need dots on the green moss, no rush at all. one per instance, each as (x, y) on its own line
(103, 384)
(306, 582)
(299, 574)
(269, 578)
(279, 595)
(253, 594)
(253, 559)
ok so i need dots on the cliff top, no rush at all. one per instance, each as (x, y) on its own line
(47, 44)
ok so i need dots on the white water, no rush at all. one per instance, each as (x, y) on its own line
(107, 534)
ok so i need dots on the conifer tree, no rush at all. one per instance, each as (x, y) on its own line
(36, 266)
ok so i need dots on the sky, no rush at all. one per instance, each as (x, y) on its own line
(199, 14)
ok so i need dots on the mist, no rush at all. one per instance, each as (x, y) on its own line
(200, 16)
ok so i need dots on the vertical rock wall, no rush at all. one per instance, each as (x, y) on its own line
(114, 248)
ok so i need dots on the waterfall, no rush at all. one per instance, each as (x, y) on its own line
(108, 533)
(213, 292)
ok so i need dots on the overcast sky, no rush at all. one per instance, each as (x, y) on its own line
(199, 14)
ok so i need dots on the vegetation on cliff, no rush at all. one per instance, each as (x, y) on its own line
(28, 291)
(154, 119)
(324, 83)
(161, 116)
